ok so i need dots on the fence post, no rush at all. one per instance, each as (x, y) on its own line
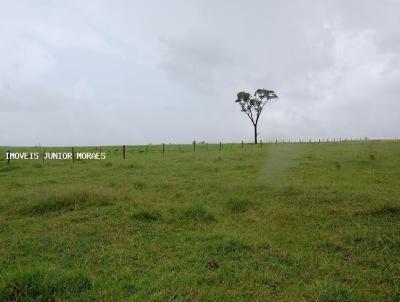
(220, 146)
(44, 153)
(207, 146)
(8, 157)
(163, 149)
(194, 146)
(276, 141)
(242, 144)
(260, 143)
(73, 155)
(179, 147)
(123, 151)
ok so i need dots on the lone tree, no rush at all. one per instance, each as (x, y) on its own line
(254, 105)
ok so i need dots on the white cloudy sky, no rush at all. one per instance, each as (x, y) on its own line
(129, 72)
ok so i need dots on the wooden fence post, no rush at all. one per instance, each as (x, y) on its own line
(8, 157)
(163, 149)
(260, 143)
(73, 155)
(123, 151)
(242, 144)
(194, 146)
(44, 153)
(220, 146)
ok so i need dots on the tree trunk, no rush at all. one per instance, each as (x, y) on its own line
(255, 133)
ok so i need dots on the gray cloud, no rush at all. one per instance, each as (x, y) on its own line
(102, 72)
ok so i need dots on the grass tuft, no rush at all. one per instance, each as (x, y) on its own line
(132, 166)
(8, 168)
(147, 215)
(329, 247)
(65, 201)
(233, 246)
(139, 184)
(335, 294)
(238, 204)
(196, 213)
(40, 285)
(291, 190)
(386, 211)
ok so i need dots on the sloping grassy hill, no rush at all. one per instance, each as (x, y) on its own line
(281, 222)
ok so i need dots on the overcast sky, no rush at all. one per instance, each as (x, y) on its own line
(130, 72)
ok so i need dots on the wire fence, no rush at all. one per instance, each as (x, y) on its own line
(124, 151)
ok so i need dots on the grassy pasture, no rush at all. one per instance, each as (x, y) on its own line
(281, 222)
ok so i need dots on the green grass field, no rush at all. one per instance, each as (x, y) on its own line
(281, 222)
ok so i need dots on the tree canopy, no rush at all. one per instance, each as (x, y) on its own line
(253, 105)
